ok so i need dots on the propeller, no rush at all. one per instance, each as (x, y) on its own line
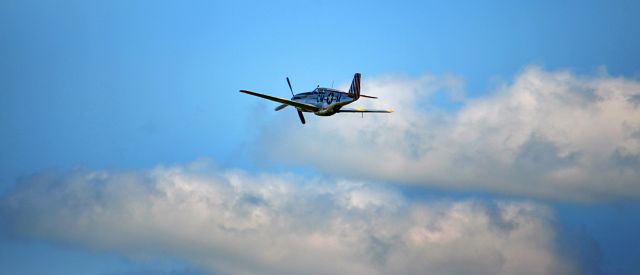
(291, 89)
(301, 116)
(282, 106)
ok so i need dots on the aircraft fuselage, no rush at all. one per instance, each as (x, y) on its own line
(328, 100)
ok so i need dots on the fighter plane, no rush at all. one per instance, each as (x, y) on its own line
(322, 101)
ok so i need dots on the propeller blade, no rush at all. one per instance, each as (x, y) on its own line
(281, 107)
(301, 116)
(291, 89)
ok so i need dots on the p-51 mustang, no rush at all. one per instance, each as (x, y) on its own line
(322, 101)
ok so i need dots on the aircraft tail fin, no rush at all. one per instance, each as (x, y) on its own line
(354, 90)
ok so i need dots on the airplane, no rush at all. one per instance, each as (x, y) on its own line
(322, 101)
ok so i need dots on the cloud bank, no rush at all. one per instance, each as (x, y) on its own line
(547, 134)
(230, 222)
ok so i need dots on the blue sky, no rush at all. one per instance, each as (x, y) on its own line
(126, 87)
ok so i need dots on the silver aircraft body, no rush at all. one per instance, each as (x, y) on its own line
(322, 101)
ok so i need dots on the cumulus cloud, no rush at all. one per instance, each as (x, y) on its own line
(231, 222)
(547, 134)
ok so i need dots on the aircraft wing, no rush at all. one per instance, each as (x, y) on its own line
(303, 106)
(362, 110)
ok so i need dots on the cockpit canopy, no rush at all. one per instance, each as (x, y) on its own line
(321, 89)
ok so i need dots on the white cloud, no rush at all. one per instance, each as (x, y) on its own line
(234, 223)
(548, 134)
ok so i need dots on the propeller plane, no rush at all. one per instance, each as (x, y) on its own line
(322, 101)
